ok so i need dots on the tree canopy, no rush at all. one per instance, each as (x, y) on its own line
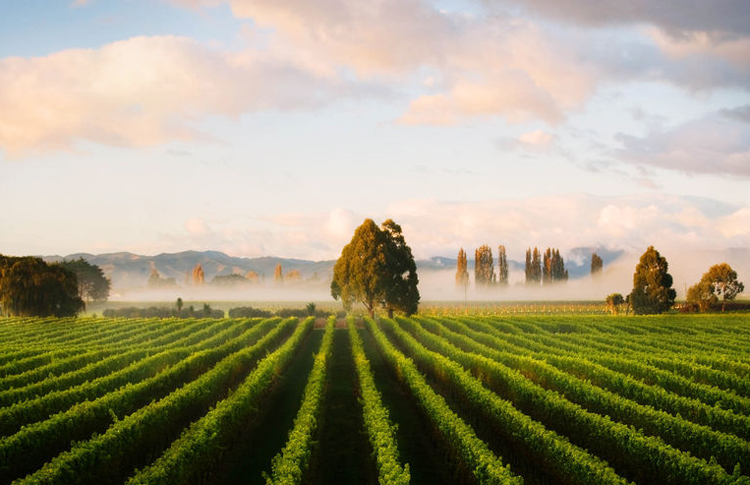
(484, 267)
(462, 271)
(720, 282)
(553, 270)
(92, 284)
(502, 266)
(533, 267)
(29, 287)
(376, 269)
(652, 284)
(155, 280)
(613, 301)
(596, 264)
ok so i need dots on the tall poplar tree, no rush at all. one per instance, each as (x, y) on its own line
(596, 264)
(484, 268)
(529, 271)
(547, 277)
(554, 267)
(502, 266)
(533, 267)
(462, 269)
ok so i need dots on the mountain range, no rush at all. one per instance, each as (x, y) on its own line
(128, 270)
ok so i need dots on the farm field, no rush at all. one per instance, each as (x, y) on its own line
(431, 399)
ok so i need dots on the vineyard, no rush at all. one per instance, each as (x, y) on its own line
(442, 399)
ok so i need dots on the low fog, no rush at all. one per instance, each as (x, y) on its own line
(245, 293)
(686, 267)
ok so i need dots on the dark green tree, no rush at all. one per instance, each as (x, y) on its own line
(502, 266)
(462, 269)
(596, 264)
(402, 294)
(376, 269)
(92, 284)
(484, 267)
(29, 287)
(652, 285)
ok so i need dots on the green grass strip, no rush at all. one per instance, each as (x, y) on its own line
(379, 428)
(289, 465)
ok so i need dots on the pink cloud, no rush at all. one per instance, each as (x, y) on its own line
(138, 92)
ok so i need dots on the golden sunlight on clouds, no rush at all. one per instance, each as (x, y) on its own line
(538, 138)
(494, 66)
(136, 92)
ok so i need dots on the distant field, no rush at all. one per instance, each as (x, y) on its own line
(509, 398)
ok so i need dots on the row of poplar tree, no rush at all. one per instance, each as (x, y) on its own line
(541, 268)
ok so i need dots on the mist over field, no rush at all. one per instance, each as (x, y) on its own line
(436, 277)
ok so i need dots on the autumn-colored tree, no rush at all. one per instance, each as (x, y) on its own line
(252, 276)
(278, 277)
(652, 284)
(720, 282)
(462, 269)
(547, 267)
(502, 266)
(554, 267)
(377, 268)
(533, 267)
(199, 278)
(484, 267)
(596, 264)
(293, 275)
(702, 294)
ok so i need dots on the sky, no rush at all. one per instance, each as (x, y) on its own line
(275, 127)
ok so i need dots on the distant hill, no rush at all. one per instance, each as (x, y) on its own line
(128, 270)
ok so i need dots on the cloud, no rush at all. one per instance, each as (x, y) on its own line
(715, 144)
(140, 91)
(477, 66)
(741, 113)
(435, 227)
(449, 66)
(79, 3)
(533, 141)
(676, 16)
(308, 235)
(196, 227)
(381, 37)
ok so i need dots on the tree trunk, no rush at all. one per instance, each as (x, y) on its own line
(390, 313)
